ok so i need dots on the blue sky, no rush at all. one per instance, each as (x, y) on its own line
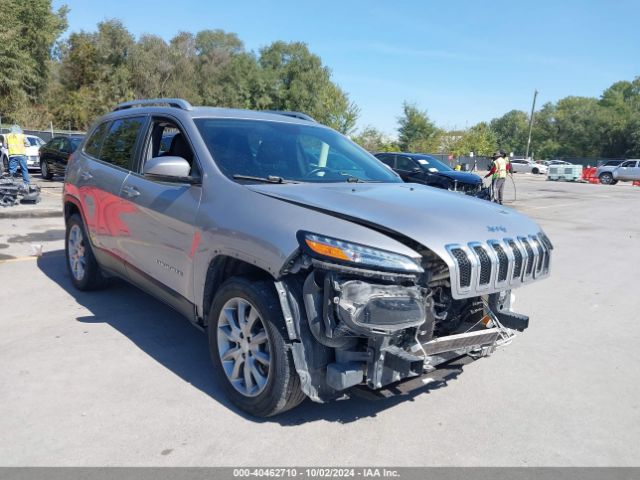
(462, 61)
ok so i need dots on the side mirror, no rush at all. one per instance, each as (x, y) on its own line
(168, 169)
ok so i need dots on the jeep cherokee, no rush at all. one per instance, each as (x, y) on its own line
(313, 268)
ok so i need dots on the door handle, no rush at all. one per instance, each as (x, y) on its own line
(130, 192)
(86, 176)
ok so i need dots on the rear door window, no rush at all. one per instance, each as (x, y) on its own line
(120, 142)
(387, 160)
(405, 163)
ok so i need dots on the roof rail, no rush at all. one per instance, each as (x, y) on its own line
(298, 115)
(172, 102)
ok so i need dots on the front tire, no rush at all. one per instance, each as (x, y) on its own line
(248, 348)
(535, 171)
(606, 178)
(81, 263)
(44, 171)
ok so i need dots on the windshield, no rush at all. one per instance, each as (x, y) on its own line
(427, 163)
(300, 153)
(35, 141)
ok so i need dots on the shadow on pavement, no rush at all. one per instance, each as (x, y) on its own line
(172, 341)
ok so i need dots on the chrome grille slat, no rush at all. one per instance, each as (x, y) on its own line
(519, 259)
(540, 259)
(503, 262)
(464, 264)
(479, 268)
(530, 257)
(485, 265)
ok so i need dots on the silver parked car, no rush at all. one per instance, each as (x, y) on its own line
(313, 268)
(628, 171)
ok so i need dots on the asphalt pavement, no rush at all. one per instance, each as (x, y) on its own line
(116, 378)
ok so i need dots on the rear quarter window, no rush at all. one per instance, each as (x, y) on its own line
(94, 144)
(119, 143)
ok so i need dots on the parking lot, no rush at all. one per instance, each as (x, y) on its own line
(116, 378)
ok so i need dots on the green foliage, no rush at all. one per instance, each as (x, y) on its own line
(297, 80)
(29, 30)
(479, 139)
(511, 131)
(374, 140)
(416, 132)
(579, 126)
(89, 72)
(74, 81)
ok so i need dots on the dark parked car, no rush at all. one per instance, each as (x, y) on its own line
(55, 154)
(424, 169)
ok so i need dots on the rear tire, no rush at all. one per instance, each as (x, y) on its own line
(45, 172)
(81, 263)
(248, 348)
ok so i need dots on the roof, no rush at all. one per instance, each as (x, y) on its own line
(408, 154)
(175, 105)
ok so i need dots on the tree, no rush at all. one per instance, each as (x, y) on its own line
(479, 139)
(95, 74)
(297, 80)
(374, 140)
(620, 105)
(416, 132)
(511, 131)
(151, 67)
(29, 30)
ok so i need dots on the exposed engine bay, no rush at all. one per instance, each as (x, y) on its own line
(357, 327)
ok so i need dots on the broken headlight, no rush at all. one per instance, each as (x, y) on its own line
(341, 251)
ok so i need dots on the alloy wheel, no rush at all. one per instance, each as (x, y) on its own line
(77, 252)
(244, 347)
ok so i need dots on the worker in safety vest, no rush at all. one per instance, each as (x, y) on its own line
(499, 168)
(17, 145)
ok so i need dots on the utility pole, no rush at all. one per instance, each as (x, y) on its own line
(533, 107)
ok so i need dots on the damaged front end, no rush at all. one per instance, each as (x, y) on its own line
(354, 325)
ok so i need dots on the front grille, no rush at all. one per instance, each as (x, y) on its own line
(503, 262)
(517, 267)
(464, 266)
(514, 261)
(485, 265)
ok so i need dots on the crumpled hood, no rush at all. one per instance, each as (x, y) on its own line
(432, 217)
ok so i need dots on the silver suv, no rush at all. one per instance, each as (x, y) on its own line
(314, 269)
(608, 172)
(628, 171)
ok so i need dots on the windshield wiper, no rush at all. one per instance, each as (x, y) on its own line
(267, 179)
(351, 179)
